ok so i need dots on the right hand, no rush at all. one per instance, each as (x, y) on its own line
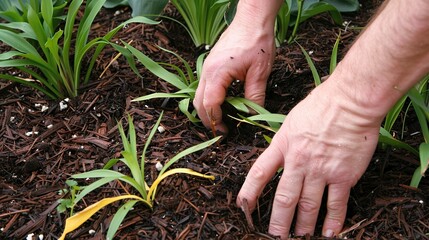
(243, 52)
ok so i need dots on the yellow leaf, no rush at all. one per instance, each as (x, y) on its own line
(152, 188)
(79, 218)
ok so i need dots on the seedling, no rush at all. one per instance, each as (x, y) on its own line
(146, 194)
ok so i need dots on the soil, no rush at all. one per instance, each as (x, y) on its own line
(84, 136)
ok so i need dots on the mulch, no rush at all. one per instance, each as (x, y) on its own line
(42, 145)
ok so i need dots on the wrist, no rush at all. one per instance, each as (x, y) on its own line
(387, 59)
(257, 14)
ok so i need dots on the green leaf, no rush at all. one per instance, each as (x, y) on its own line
(156, 69)
(321, 7)
(147, 7)
(93, 186)
(47, 10)
(424, 163)
(184, 106)
(160, 95)
(148, 141)
(313, 69)
(424, 157)
(334, 55)
(252, 122)
(19, 43)
(118, 218)
(188, 151)
(272, 117)
(25, 30)
(344, 5)
(104, 173)
(204, 19)
(386, 138)
(393, 114)
(115, 3)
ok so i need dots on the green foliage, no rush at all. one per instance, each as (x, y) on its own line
(67, 203)
(418, 99)
(136, 180)
(204, 19)
(17, 10)
(148, 8)
(294, 12)
(332, 65)
(186, 81)
(36, 44)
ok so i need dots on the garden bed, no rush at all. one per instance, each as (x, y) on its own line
(39, 150)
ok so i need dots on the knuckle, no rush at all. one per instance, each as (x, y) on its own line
(278, 229)
(258, 173)
(306, 205)
(285, 201)
(336, 209)
(210, 102)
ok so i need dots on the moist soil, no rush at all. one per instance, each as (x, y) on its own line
(84, 136)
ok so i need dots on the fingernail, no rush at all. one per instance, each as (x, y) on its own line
(329, 233)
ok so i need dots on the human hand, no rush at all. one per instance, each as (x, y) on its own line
(325, 141)
(244, 53)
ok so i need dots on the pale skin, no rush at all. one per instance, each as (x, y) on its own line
(387, 59)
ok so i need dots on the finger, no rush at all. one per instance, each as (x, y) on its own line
(259, 175)
(256, 81)
(198, 102)
(214, 95)
(338, 195)
(254, 90)
(285, 202)
(308, 206)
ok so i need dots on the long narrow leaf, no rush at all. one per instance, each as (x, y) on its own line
(119, 217)
(386, 138)
(79, 218)
(160, 95)
(313, 69)
(152, 190)
(188, 151)
(334, 55)
(156, 69)
(149, 140)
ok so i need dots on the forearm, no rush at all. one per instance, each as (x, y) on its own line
(389, 57)
(257, 13)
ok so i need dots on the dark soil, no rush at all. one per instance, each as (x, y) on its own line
(84, 136)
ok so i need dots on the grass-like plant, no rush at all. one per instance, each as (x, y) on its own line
(418, 99)
(186, 81)
(146, 194)
(52, 60)
(204, 19)
(16, 10)
(294, 12)
(149, 8)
